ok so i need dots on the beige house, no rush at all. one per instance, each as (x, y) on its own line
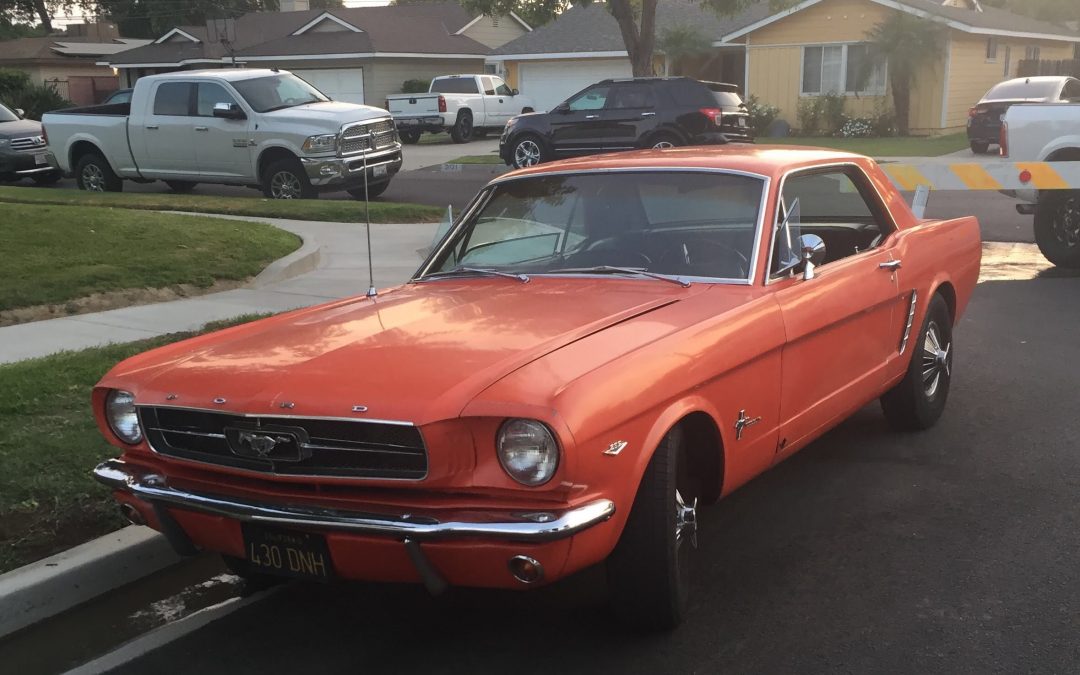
(359, 55)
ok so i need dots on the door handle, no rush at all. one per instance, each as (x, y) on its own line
(647, 114)
(592, 117)
(200, 128)
(891, 265)
(151, 126)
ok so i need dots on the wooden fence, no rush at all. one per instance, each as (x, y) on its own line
(1033, 67)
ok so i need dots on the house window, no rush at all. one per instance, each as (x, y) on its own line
(1031, 53)
(1008, 61)
(991, 49)
(1076, 52)
(838, 68)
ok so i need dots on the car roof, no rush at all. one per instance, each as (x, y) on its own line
(229, 74)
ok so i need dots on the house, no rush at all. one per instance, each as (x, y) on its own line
(782, 58)
(359, 54)
(70, 62)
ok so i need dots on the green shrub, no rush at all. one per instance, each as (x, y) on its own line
(809, 114)
(761, 114)
(822, 114)
(415, 86)
(17, 91)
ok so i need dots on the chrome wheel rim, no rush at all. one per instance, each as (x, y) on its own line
(93, 178)
(285, 185)
(685, 521)
(661, 145)
(1067, 222)
(935, 360)
(527, 153)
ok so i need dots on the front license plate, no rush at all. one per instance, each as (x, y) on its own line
(378, 171)
(40, 160)
(288, 553)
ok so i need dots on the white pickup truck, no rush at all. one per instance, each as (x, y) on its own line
(261, 128)
(1047, 132)
(464, 105)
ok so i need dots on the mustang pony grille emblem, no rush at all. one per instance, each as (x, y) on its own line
(261, 444)
(743, 422)
(270, 443)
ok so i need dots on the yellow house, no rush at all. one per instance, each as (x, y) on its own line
(816, 47)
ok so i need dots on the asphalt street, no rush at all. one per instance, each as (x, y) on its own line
(947, 551)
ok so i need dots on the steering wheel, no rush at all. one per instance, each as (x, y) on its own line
(702, 253)
(620, 257)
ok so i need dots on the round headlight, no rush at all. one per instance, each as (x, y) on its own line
(120, 412)
(527, 451)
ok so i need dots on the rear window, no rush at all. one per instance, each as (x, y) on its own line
(455, 85)
(1016, 89)
(702, 95)
(172, 98)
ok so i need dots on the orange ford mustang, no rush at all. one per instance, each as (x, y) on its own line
(596, 349)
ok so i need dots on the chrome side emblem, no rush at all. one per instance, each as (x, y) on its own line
(359, 408)
(171, 397)
(219, 400)
(287, 405)
(743, 422)
(615, 448)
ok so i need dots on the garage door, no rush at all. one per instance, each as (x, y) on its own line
(340, 84)
(549, 83)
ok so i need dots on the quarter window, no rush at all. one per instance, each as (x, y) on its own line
(173, 98)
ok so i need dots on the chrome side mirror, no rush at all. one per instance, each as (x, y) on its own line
(20, 112)
(812, 254)
(229, 111)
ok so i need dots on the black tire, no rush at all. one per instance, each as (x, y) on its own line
(528, 150)
(919, 400)
(253, 581)
(409, 137)
(93, 173)
(50, 178)
(462, 131)
(286, 179)
(1057, 227)
(648, 572)
(664, 140)
(980, 147)
(181, 186)
(373, 191)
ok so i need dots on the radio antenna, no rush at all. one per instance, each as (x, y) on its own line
(371, 292)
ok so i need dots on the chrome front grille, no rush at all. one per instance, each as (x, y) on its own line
(368, 136)
(28, 144)
(329, 447)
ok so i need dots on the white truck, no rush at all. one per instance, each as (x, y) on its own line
(464, 105)
(261, 128)
(1047, 132)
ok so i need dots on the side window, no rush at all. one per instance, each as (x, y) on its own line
(592, 98)
(840, 206)
(489, 86)
(211, 93)
(500, 87)
(173, 98)
(632, 96)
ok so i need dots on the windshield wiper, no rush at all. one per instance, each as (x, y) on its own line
(611, 269)
(523, 278)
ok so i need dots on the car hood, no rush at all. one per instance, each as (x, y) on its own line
(20, 128)
(331, 112)
(418, 353)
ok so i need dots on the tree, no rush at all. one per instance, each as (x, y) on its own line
(679, 43)
(906, 43)
(30, 11)
(152, 18)
(10, 30)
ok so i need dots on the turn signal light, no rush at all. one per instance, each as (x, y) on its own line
(442, 104)
(714, 114)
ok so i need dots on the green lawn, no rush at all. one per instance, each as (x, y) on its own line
(53, 254)
(880, 147)
(48, 445)
(477, 159)
(335, 210)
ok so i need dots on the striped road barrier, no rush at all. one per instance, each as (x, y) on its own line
(991, 175)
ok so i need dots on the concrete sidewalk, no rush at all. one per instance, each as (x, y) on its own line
(336, 257)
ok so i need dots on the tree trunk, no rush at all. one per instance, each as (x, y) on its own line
(901, 93)
(43, 15)
(640, 42)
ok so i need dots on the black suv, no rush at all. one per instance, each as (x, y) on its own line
(644, 112)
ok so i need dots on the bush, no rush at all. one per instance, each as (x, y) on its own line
(822, 114)
(857, 127)
(17, 91)
(415, 86)
(761, 114)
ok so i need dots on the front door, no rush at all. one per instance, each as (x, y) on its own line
(168, 149)
(844, 324)
(222, 146)
(577, 127)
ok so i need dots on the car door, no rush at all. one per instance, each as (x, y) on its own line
(844, 324)
(223, 146)
(576, 124)
(168, 149)
(629, 116)
(508, 107)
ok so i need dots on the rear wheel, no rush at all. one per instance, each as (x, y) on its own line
(664, 140)
(649, 570)
(93, 173)
(919, 400)
(285, 179)
(409, 137)
(181, 186)
(1057, 227)
(462, 130)
(373, 191)
(980, 147)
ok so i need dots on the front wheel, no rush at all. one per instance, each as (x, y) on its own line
(409, 137)
(462, 130)
(93, 174)
(285, 179)
(528, 151)
(649, 570)
(1057, 227)
(373, 191)
(919, 400)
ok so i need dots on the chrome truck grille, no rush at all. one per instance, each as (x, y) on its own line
(28, 144)
(288, 446)
(368, 136)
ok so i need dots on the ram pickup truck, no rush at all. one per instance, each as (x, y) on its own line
(464, 105)
(261, 128)
(22, 149)
(1047, 132)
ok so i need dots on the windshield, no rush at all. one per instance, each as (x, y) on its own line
(275, 92)
(1020, 89)
(6, 115)
(687, 224)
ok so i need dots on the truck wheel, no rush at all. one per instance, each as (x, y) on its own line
(919, 400)
(528, 150)
(181, 186)
(409, 137)
(373, 191)
(93, 173)
(1057, 227)
(285, 179)
(462, 130)
(649, 570)
(980, 147)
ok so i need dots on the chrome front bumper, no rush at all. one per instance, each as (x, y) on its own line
(331, 171)
(525, 526)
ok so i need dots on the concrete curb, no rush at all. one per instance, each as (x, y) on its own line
(302, 260)
(47, 587)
